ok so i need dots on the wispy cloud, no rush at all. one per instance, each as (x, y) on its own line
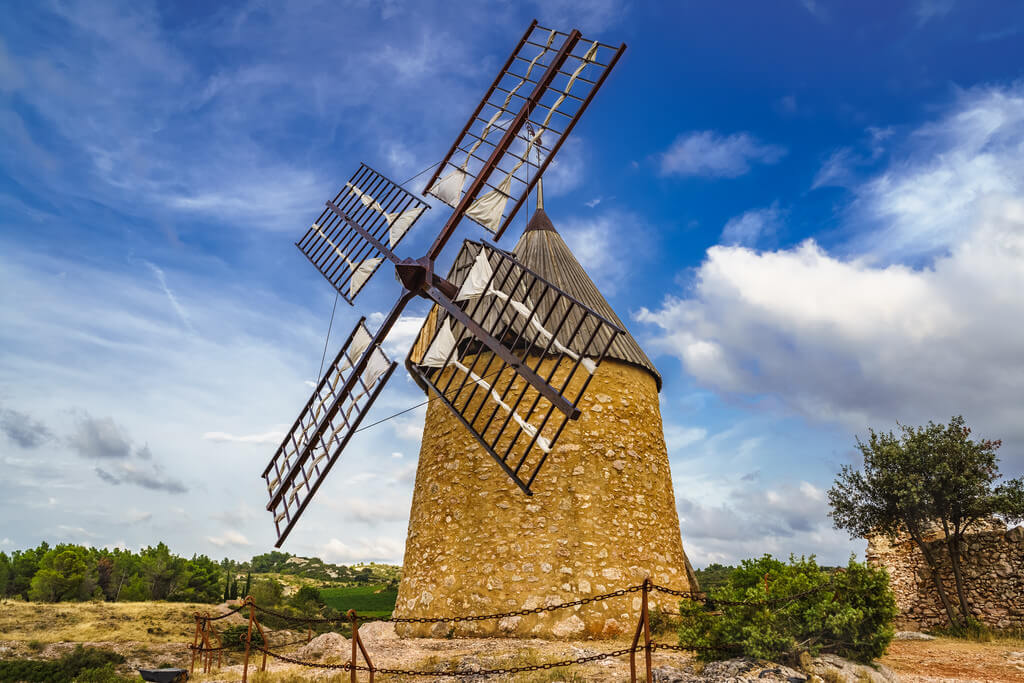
(271, 438)
(23, 429)
(710, 154)
(100, 438)
(927, 10)
(750, 227)
(230, 537)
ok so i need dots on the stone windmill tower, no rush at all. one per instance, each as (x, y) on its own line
(603, 517)
(531, 368)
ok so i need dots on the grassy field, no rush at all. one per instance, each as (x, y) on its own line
(159, 622)
(371, 601)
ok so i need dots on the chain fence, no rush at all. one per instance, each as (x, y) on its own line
(205, 632)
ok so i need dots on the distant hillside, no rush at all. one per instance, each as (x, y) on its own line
(316, 569)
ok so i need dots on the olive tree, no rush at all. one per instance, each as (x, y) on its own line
(920, 478)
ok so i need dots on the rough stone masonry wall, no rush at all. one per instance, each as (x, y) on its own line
(602, 517)
(993, 573)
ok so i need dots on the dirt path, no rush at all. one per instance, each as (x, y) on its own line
(945, 659)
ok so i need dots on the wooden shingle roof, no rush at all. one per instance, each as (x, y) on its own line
(543, 250)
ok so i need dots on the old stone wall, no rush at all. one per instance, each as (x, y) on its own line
(602, 517)
(993, 573)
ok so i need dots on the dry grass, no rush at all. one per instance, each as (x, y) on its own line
(155, 622)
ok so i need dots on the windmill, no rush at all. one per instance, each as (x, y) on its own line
(506, 351)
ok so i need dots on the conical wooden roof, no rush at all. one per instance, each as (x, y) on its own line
(542, 250)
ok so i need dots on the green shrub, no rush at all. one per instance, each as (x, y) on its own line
(662, 622)
(848, 613)
(234, 636)
(307, 598)
(75, 665)
(714, 575)
(103, 674)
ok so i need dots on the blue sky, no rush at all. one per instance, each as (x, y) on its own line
(811, 214)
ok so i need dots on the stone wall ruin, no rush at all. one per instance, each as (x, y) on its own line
(993, 573)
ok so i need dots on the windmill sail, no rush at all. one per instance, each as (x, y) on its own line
(332, 414)
(527, 113)
(545, 331)
(342, 254)
(510, 354)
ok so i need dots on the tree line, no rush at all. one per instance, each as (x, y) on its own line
(75, 572)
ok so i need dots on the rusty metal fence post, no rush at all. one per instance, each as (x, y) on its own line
(643, 625)
(207, 657)
(248, 638)
(646, 616)
(195, 646)
(358, 642)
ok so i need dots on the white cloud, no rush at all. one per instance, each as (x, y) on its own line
(836, 171)
(375, 511)
(678, 437)
(269, 438)
(380, 549)
(748, 228)
(595, 240)
(926, 10)
(175, 304)
(751, 520)
(408, 429)
(952, 177)
(229, 537)
(857, 342)
(590, 16)
(402, 335)
(709, 154)
(568, 170)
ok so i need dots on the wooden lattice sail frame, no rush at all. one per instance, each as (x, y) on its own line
(547, 331)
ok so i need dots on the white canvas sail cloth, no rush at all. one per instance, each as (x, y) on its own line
(376, 366)
(398, 222)
(448, 188)
(488, 209)
(477, 283)
(361, 271)
(441, 353)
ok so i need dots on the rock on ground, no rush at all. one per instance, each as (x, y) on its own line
(913, 635)
(324, 645)
(377, 631)
(825, 668)
(844, 671)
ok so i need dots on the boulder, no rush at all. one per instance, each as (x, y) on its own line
(326, 645)
(729, 670)
(1015, 535)
(913, 635)
(839, 670)
(827, 667)
(377, 632)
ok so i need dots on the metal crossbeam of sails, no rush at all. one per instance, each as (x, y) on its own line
(541, 330)
(508, 352)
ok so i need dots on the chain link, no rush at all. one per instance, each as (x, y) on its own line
(515, 613)
(225, 615)
(444, 620)
(771, 602)
(347, 666)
